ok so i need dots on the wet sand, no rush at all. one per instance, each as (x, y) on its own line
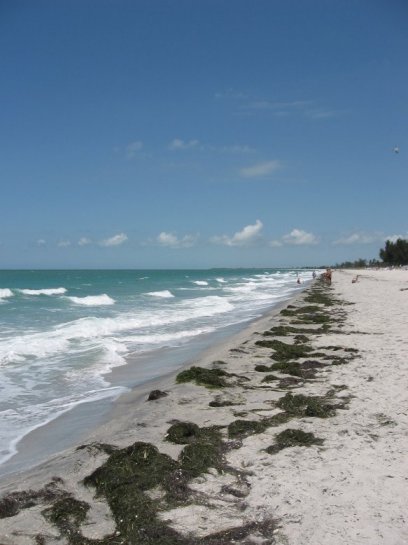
(341, 475)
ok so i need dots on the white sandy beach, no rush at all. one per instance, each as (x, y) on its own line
(350, 489)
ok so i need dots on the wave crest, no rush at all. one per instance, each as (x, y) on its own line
(164, 294)
(5, 292)
(93, 300)
(48, 291)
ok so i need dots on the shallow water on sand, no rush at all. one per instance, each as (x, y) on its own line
(63, 332)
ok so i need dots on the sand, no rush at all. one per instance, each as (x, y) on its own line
(352, 488)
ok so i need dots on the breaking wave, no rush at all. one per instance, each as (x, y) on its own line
(93, 300)
(49, 291)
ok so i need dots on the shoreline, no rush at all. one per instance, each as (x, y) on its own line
(304, 441)
(86, 419)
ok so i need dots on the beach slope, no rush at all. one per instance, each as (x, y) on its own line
(293, 432)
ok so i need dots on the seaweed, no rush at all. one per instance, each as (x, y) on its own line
(320, 297)
(12, 504)
(222, 403)
(300, 339)
(301, 405)
(284, 351)
(261, 368)
(156, 394)
(293, 438)
(182, 433)
(270, 378)
(123, 479)
(206, 451)
(288, 382)
(244, 428)
(289, 368)
(67, 514)
(210, 378)
(285, 330)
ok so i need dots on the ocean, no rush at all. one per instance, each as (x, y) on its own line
(63, 332)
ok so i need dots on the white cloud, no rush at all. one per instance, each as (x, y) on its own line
(260, 169)
(297, 237)
(178, 144)
(357, 238)
(133, 149)
(236, 149)
(64, 243)
(394, 238)
(172, 241)
(275, 244)
(41, 242)
(323, 114)
(247, 236)
(116, 240)
(84, 241)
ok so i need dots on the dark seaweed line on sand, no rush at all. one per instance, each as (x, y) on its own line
(129, 473)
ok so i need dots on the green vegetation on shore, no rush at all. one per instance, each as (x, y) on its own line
(393, 254)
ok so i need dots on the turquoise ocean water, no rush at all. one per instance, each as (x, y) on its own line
(62, 332)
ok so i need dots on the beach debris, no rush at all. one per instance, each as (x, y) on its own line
(293, 438)
(14, 502)
(156, 394)
(302, 405)
(182, 433)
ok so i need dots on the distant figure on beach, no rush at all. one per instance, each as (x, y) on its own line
(298, 279)
(314, 275)
(327, 276)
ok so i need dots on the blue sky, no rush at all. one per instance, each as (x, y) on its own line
(206, 133)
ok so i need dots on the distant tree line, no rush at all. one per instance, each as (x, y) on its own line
(393, 254)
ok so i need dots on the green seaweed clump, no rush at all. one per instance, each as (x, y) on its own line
(210, 378)
(261, 368)
(123, 480)
(285, 330)
(204, 452)
(244, 428)
(293, 438)
(301, 405)
(68, 514)
(284, 351)
(223, 403)
(11, 504)
(182, 433)
(320, 297)
(290, 368)
(270, 378)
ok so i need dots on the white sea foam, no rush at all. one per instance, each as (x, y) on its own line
(200, 283)
(17, 424)
(165, 294)
(49, 291)
(5, 292)
(167, 337)
(86, 333)
(221, 280)
(93, 300)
